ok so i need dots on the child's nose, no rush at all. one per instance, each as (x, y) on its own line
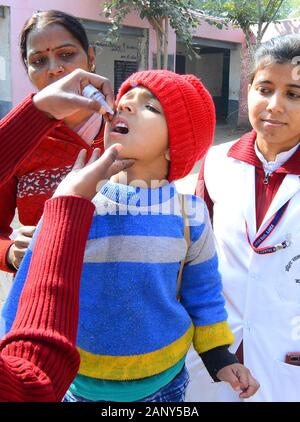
(125, 105)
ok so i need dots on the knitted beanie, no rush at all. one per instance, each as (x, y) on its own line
(189, 112)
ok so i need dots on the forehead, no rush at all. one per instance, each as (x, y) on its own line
(277, 73)
(140, 90)
(49, 37)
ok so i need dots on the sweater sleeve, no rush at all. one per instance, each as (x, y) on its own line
(21, 130)
(38, 358)
(201, 289)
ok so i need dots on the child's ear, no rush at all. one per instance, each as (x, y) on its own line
(167, 155)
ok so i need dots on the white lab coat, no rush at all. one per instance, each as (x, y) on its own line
(262, 291)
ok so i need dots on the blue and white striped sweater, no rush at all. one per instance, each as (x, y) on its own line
(131, 324)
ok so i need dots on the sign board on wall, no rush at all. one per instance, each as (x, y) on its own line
(123, 69)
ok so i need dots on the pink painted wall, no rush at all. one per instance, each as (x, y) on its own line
(205, 30)
(23, 9)
(87, 9)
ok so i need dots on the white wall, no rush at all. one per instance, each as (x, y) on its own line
(131, 48)
(235, 74)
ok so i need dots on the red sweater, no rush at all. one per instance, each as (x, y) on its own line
(38, 154)
(38, 359)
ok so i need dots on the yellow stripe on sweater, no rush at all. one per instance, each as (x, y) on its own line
(133, 367)
(212, 336)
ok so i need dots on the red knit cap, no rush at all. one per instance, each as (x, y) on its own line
(189, 111)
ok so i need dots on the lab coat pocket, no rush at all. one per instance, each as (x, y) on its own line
(286, 383)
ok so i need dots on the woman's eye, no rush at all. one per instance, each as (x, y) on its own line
(152, 108)
(293, 95)
(263, 90)
(38, 61)
(67, 54)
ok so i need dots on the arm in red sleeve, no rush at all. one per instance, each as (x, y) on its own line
(38, 358)
(21, 130)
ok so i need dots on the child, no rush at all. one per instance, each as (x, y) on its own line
(133, 332)
(38, 357)
(253, 187)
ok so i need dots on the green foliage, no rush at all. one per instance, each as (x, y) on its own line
(290, 9)
(241, 12)
(245, 14)
(179, 13)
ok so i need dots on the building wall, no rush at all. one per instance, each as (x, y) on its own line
(287, 26)
(234, 85)
(89, 10)
(5, 64)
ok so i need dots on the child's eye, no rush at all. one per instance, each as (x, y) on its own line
(152, 108)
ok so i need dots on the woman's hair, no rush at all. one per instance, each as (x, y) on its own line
(43, 19)
(281, 50)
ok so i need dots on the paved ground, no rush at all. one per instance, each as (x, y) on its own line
(186, 185)
(223, 134)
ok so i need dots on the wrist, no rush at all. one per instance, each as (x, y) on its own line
(216, 359)
(37, 103)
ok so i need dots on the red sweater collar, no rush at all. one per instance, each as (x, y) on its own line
(243, 150)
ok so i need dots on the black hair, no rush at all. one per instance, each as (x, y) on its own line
(48, 17)
(283, 49)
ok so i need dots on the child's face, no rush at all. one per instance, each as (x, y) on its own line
(274, 105)
(140, 126)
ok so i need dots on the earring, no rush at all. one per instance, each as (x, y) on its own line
(93, 67)
(61, 68)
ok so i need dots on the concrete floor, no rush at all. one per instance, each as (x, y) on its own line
(224, 133)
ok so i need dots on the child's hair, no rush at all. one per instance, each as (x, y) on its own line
(281, 50)
(48, 17)
(189, 112)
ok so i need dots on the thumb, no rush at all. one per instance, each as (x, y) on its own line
(101, 166)
(228, 375)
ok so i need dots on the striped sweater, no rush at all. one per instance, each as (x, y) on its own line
(131, 324)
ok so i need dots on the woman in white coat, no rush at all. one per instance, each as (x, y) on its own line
(252, 187)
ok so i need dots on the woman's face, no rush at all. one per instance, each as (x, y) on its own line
(52, 53)
(274, 106)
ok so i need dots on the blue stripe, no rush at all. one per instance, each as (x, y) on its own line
(136, 225)
(201, 292)
(196, 232)
(121, 319)
(10, 306)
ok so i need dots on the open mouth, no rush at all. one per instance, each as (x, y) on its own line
(120, 127)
